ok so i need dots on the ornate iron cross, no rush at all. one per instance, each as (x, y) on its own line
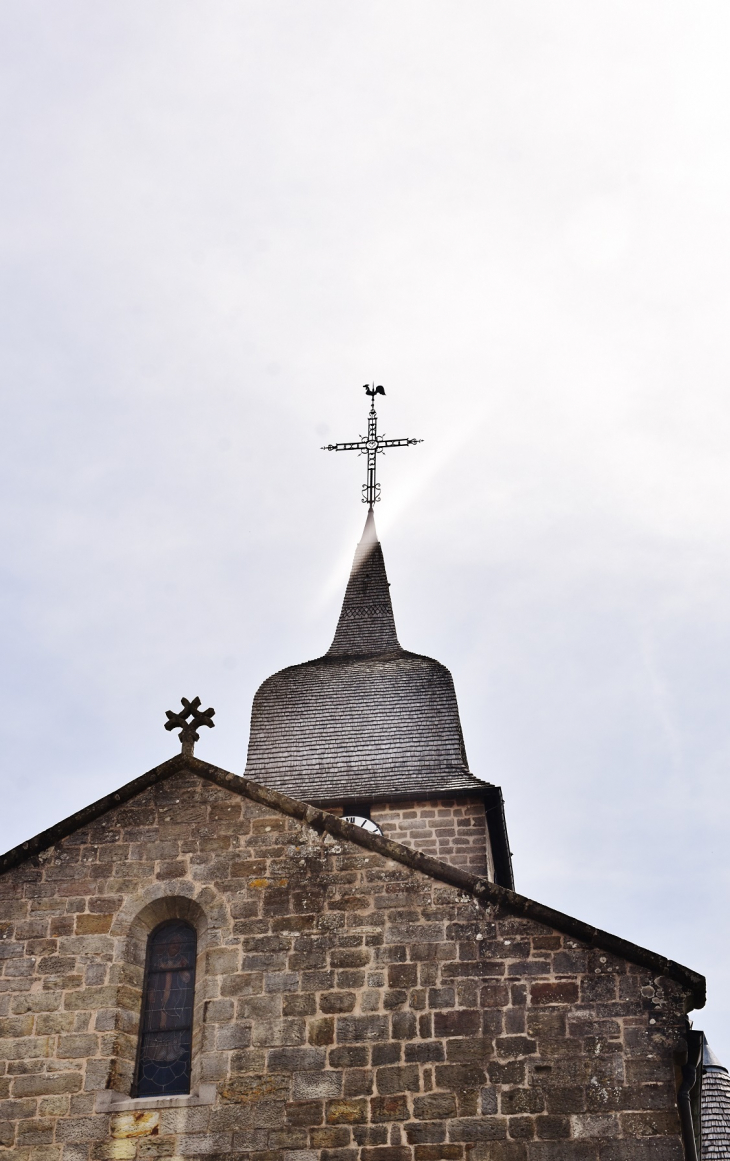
(370, 445)
(189, 729)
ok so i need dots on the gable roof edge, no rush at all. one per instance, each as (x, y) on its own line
(87, 814)
(480, 888)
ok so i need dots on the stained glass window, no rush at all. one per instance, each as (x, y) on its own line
(167, 1011)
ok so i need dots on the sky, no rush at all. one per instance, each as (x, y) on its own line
(217, 221)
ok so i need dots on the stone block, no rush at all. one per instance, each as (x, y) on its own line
(321, 1032)
(329, 1137)
(425, 1132)
(440, 1152)
(349, 1056)
(299, 1005)
(654, 1123)
(398, 1079)
(337, 1002)
(389, 1053)
(389, 1108)
(26, 1048)
(458, 1077)
(233, 1036)
(441, 997)
(430, 1052)
(76, 1047)
(457, 1023)
(404, 1026)
(359, 1028)
(489, 1101)
(305, 1112)
(549, 1127)
(515, 1046)
(643, 1149)
(434, 1106)
(470, 1129)
(352, 1111)
(296, 1059)
(93, 924)
(386, 1153)
(267, 1032)
(566, 1099)
(349, 958)
(521, 1100)
(316, 1085)
(402, 975)
(358, 1082)
(560, 992)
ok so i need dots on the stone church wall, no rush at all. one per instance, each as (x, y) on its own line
(349, 1007)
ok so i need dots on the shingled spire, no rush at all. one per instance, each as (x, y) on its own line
(366, 623)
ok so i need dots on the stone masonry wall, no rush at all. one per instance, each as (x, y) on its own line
(451, 829)
(348, 1007)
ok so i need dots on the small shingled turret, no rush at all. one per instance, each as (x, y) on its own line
(715, 1108)
(373, 730)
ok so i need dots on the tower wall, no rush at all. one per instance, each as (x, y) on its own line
(451, 829)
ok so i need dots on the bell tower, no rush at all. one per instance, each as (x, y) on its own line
(371, 731)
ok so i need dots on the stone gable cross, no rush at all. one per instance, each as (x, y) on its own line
(189, 729)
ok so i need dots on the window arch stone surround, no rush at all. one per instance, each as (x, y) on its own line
(138, 917)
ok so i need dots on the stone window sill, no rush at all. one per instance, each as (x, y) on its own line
(109, 1101)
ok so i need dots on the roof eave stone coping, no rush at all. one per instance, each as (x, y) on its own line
(481, 889)
(414, 794)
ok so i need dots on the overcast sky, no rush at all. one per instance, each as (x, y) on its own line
(218, 220)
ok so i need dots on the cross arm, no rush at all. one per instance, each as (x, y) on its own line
(344, 446)
(397, 442)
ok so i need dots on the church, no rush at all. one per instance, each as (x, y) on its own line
(325, 959)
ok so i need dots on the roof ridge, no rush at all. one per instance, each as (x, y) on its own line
(366, 624)
(480, 888)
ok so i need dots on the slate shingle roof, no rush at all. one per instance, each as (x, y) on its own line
(375, 727)
(715, 1108)
(367, 721)
(366, 623)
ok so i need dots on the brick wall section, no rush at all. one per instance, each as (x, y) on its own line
(453, 830)
(348, 1007)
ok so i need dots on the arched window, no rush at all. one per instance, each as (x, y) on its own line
(166, 1027)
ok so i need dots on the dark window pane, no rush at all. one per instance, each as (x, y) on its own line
(173, 946)
(169, 1000)
(167, 1011)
